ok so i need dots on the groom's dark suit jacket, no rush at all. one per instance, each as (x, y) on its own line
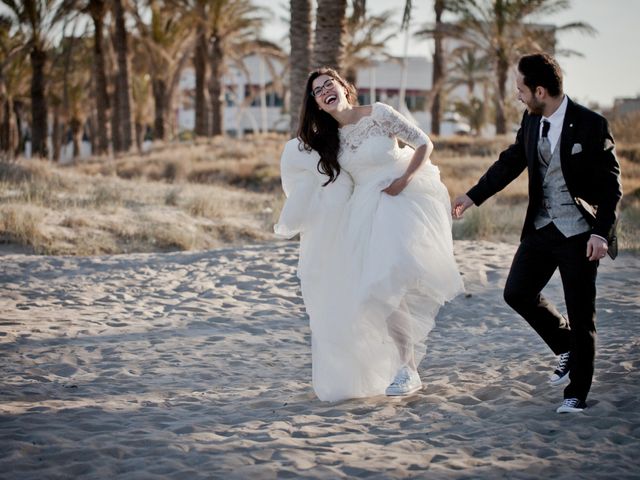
(589, 165)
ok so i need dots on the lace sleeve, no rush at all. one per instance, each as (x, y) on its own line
(402, 128)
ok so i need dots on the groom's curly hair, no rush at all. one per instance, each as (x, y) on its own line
(318, 130)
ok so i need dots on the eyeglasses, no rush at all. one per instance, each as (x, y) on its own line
(329, 83)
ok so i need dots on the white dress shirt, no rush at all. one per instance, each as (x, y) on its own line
(556, 119)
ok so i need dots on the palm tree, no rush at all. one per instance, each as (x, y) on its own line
(233, 27)
(166, 43)
(13, 70)
(365, 39)
(438, 66)
(200, 66)
(71, 80)
(468, 68)
(500, 30)
(224, 28)
(438, 33)
(97, 10)
(122, 91)
(58, 91)
(300, 57)
(141, 90)
(36, 19)
(331, 27)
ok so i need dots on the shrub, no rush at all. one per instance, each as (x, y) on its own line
(21, 224)
(626, 128)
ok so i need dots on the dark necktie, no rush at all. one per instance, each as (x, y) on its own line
(544, 145)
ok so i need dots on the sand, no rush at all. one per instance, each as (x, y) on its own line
(197, 365)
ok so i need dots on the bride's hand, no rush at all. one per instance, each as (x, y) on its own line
(397, 186)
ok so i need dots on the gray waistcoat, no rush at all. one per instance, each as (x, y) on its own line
(558, 206)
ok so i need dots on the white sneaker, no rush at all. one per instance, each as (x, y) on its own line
(571, 405)
(405, 382)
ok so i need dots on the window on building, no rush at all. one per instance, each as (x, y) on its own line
(229, 98)
(364, 98)
(273, 99)
(415, 102)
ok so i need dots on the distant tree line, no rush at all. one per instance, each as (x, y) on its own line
(111, 68)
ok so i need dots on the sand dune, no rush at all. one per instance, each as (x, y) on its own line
(197, 365)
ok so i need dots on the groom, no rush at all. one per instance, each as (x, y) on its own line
(574, 190)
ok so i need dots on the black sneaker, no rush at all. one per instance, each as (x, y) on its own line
(571, 405)
(561, 374)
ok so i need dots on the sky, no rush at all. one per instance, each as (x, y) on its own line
(608, 69)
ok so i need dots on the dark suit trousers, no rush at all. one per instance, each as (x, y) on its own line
(537, 258)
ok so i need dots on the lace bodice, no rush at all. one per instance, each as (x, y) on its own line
(383, 121)
(369, 149)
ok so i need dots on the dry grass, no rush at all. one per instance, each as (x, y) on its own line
(21, 225)
(250, 163)
(85, 210)
(626, 128)
(223, 192)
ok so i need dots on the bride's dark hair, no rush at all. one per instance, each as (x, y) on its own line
(318, 130)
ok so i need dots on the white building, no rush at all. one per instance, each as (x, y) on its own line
(392, 80)
(255, 103)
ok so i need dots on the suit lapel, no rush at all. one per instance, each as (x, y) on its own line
(532, 143)
(567, 135)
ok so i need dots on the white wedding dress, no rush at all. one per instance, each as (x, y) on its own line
(374, 269)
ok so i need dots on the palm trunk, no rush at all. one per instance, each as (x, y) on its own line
(56, 134)
(351, 76)
(17, 110)
(169, 97)
(38, 104)
(300, 59)
(76, 135)
(101, 141)
(91, 131)
(502, 71)
(159, 88)
(438, 69)
(7, 128)
(116, 131)
(215, 87)
(331, 28)
(200, 65)
(139, 136)
(122, 79)
(502, 68)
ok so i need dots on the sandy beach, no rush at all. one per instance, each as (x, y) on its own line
(198, 365)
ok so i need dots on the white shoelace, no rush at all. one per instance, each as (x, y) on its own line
(570, 402)
(562, 362)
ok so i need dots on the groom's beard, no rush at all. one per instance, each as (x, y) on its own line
(535, 107)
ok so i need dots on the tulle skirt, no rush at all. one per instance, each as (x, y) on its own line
(374, 271)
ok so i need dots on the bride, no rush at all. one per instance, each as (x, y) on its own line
(376, 253)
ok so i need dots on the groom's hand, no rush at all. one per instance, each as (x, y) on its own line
(460, 204)
(596, 248)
